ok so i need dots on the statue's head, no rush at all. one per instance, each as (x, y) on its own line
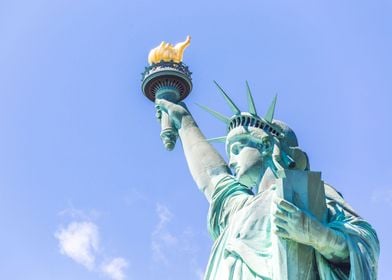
(255, 143)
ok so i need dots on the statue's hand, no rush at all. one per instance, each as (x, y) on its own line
(176, 112)
(293, 223)
(297, 225)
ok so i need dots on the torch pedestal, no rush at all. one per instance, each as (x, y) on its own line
(171, 81)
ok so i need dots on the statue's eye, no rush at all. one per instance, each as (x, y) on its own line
(266, 142)
(236, 148)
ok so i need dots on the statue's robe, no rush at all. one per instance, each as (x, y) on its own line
(240, 225)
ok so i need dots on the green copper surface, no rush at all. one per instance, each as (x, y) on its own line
(269, 116)
(230, 102)
(270, 217)
(252, 106)
(217, 115)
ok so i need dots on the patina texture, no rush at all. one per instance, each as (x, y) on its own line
(270, 216)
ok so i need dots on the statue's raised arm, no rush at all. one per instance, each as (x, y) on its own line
(205, 164)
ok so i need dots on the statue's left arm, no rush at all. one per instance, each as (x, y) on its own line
(295, 224)
(346, 246)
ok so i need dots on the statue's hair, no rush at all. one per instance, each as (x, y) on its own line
(290, 145)
(289, 135)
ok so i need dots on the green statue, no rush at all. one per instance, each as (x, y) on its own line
(251, 222)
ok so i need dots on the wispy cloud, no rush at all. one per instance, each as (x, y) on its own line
(199, 274)
(161, 237)
(80, 242)
(189, 247)
(114, 269)
(133, 196)
(382, 195)
(164, 215)
(77, 214)
(167, 246)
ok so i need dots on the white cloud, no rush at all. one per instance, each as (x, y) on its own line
(200, 274)
(134, 195)
(382, 196)
(165, 244)
(164, 216)
(80, 242)
(161, 237)
(78, 214)
(114, 269)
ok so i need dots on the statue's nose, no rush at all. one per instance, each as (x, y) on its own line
(232, 162)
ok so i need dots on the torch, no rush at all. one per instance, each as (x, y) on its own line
(167, 78)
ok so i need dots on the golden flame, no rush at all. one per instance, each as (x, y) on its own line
(168, 52)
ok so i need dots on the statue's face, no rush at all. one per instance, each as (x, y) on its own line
(246, 159)
(246, 162)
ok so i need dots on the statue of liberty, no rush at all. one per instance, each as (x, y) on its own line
(248, 218)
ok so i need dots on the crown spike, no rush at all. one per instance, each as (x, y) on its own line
(233, 107)
(217, 115)
(271, 110)
(252, 107)
(217, 140)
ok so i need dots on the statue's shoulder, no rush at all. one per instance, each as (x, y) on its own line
(332, 193)
(335, 196)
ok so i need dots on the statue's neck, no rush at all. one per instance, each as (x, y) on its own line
(267, 179)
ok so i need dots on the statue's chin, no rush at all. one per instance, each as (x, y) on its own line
(246, 180)
(250, 177)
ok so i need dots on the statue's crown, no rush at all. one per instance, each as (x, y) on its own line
(246, 119)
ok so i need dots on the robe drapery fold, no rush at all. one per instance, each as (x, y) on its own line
(239, 222)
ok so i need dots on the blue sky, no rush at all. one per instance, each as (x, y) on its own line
(87, 190)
